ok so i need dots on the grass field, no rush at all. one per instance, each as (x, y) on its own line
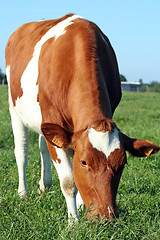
(45, 217)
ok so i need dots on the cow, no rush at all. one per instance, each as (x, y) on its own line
(64, 84)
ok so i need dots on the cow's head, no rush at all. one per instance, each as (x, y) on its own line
(98, 162)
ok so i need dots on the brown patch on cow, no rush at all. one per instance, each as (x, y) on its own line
(104, 125)
(56, 134)
(71, 59)
(53, 153)
(68, 186)
(59, 160)
(117, 160)
(138, 147)
(19, 50)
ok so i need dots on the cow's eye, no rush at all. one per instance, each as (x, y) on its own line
(83, 163)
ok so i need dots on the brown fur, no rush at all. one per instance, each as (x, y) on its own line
(104, 125)
(71, 53)
(53, 153)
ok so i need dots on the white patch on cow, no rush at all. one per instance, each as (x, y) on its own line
(104, 142)
(65, 174)
(9, 91)
(27, 106)
(65, 162)
(79, 201)
(8, 74)
(21, 150)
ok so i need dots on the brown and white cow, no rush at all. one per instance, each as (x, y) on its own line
(64, 84)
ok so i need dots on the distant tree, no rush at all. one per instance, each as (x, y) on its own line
(155, 86)
(140, 81)
(123, 78)
(143, 88)
(3, 78)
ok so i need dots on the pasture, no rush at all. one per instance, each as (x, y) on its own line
(45, 217)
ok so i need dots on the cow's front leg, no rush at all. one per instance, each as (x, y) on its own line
(63, 166)
(46, 175)
(79, 201)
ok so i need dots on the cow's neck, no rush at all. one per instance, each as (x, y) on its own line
(88, 96)
(86, 107)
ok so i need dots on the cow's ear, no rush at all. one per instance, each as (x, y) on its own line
(137, 147)
(55, 134)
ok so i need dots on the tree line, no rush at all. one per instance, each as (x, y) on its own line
(3, 78)
(154, 86)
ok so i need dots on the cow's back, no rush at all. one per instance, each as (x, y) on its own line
(50, 80)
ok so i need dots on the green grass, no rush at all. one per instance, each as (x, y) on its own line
(45, 217)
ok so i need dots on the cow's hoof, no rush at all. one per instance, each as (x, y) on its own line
(23, 194)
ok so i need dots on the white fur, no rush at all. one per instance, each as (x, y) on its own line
(21, 150)
(21, 142)
(64, 170)
(104, 142)
(79, 201)
(8, 80)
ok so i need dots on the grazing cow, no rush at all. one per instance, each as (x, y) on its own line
(64, 84)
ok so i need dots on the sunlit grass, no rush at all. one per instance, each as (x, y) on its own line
(45, 217)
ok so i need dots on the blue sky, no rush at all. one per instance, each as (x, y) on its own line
(133, 28)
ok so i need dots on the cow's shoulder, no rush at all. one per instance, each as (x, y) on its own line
(26, 36)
